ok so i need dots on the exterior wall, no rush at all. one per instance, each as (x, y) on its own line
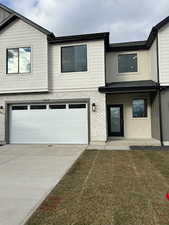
(153, 61)
(138, 128)
(163, 43)
(144, 67)
(3, 15)
(20, 34)
(155, 121)
(93, 78)
(165, 115)
(97, 119)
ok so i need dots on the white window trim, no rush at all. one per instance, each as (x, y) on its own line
(31, 61)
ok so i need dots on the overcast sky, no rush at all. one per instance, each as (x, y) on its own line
(126, 20)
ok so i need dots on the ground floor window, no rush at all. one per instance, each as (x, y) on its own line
(139, 108)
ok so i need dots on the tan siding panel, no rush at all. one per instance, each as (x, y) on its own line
(144, 67)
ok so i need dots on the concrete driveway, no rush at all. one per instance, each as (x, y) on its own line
(27, 174)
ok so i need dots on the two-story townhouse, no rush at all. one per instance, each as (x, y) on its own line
(132, 91)
(81, 89)
(137, 87)
(48, 85)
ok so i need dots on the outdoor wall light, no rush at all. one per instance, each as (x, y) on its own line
(93, 107)
(1, 109)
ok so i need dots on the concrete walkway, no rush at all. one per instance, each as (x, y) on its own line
(124, 144)
(27, 174)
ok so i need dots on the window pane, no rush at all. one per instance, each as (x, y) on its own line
(139, 108)
(57, 106)
(21, 107)
(68, 59)
(38, 107)
(77, 106)
(24, 60)
(127, 63)
(12, 60)
(115, 125)
(74, 58)
(80, 58)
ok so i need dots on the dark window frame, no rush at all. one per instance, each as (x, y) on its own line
(134, 53)
(18, 60)
(145, 108)
(72, 71)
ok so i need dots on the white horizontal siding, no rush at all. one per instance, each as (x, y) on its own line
(20, 34)
(144, 67)
(163, 41)
(94, 77)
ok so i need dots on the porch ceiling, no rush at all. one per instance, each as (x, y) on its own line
(129, 86)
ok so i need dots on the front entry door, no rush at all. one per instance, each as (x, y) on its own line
(115, 121)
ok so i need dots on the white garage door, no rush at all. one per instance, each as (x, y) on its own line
(48, 123)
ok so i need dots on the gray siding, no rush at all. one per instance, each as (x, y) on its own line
(155, 123)
(165, 114)
(3, 14)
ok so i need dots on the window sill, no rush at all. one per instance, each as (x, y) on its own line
(18, 74)
(139, 118)
(79, 72)
(127, 74)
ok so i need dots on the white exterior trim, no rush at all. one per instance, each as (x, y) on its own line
(166, 143)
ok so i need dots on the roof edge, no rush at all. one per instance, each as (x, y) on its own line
(26, 20)
(81, 37)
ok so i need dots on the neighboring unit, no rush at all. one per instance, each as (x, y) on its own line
(81, 89)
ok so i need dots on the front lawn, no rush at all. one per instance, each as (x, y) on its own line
(110, 188)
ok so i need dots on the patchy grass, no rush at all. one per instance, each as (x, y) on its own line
(110, 188)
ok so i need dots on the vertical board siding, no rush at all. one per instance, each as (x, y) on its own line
(165, 113)
(20, 34)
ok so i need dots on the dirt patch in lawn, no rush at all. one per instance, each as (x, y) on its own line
(110, 187)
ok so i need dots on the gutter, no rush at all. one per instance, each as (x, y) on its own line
(159, 95)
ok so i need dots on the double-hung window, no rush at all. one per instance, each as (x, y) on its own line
(74, 58)
(19, 60)
(127, 63)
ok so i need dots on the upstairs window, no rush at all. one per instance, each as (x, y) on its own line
(74, 58)
(18, 60)
(127, 63)
(139, 108)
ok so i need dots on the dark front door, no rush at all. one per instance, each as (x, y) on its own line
(115, 120)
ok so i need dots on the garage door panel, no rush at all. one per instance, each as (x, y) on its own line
(60, 126)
